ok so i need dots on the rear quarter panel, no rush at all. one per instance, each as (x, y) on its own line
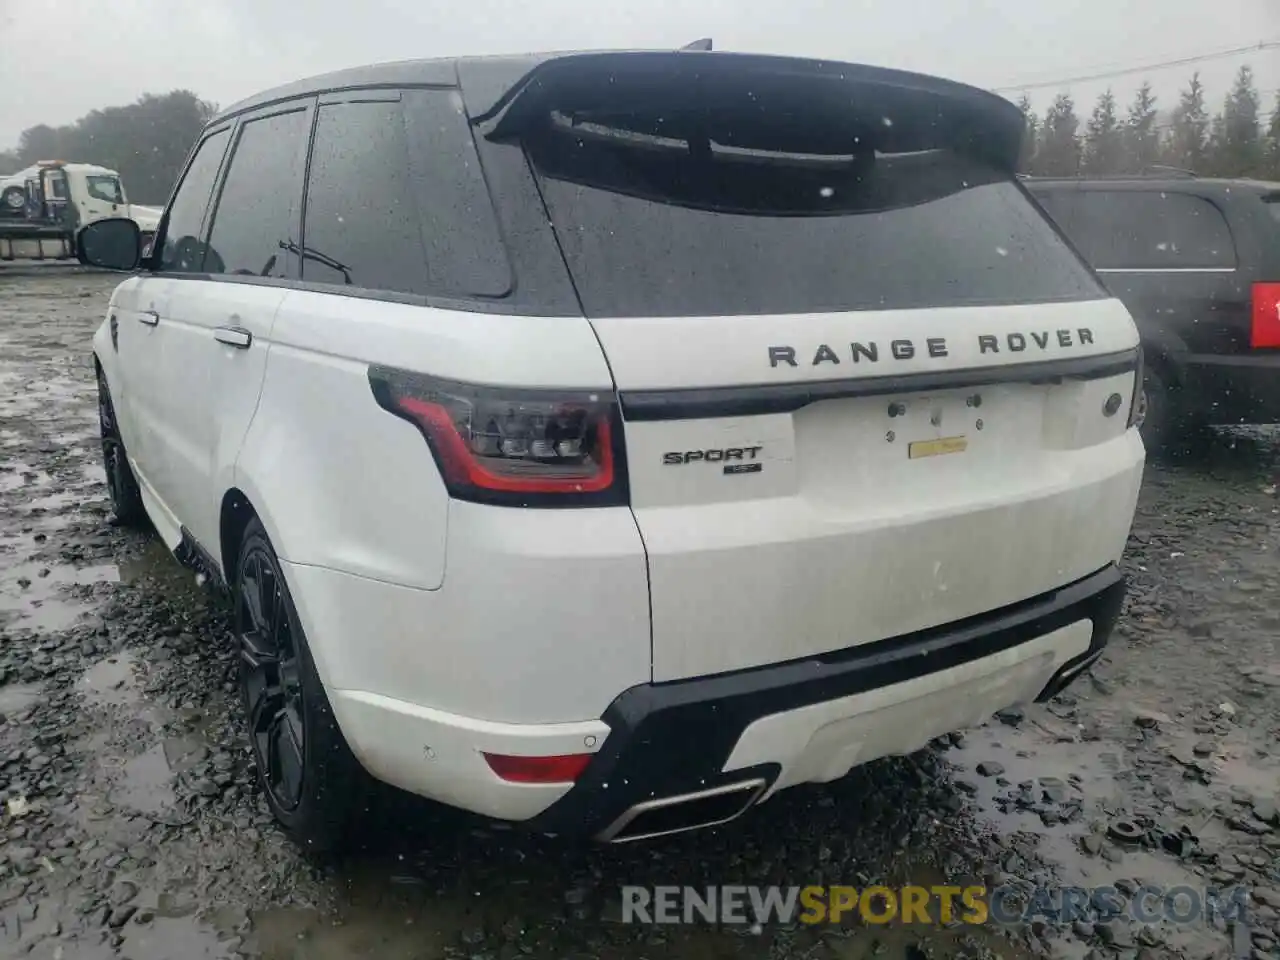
(351, 487)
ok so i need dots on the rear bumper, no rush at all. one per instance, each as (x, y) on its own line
(1233, 389)
(747, 734)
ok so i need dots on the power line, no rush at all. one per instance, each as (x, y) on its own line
(1146, 68)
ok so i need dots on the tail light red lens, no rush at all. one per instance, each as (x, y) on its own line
(1138, 402)
(1265, 331)
(513, 447)
(562, 769)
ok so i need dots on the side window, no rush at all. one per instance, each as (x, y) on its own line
(1060, 206)
(255, 224)
(396, 201)
(182, 251)
(1141, 230)
(1057, 203)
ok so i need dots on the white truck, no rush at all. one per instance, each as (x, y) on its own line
(43, 207)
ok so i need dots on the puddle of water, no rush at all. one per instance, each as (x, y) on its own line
(385, 934)
(111, 682)
(1234, 763)
(390, 921)
(160, 938)
(31, 592)
(56, 502)
(165, 938)
(72, 437)
(146, 783)
(16, 697)
(18, 476)
(1092, 774)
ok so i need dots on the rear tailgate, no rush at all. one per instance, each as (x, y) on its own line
(782, 523)
(867, 389)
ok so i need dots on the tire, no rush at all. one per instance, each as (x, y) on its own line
(13, 200)
(311, 781)
(1169, 426)
(122, 485)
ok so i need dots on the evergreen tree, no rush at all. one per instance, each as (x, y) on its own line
(1141, 137)
(1030, 136)
(1104, 141)
(1189, 135)
(1237, 148)
(1271, 152)
(1214, 155)
(1058, 154)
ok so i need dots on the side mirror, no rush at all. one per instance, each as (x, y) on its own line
(113, 244)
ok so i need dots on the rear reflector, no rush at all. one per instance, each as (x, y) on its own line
(562, 769)
(1265, 331)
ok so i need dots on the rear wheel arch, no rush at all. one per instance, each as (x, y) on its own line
(241, 503)
(233, 518)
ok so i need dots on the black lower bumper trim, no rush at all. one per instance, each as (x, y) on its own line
(1233, 388)
(671, 738)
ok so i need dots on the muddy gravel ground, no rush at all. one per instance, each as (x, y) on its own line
(130, 826)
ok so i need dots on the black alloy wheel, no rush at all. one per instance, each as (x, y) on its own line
(312, 782)
(122, 485)
(271, 683)
(1171, 427)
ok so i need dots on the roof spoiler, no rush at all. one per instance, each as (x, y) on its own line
(754, 101)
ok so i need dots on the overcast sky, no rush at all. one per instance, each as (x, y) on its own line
(61, 58)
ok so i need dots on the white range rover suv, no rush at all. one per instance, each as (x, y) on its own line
(608, 441)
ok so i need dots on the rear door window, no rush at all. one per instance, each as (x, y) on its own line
(396, 200)
(654, 226)
(1129, 230)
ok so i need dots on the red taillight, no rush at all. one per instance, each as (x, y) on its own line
(1138, 402)
(525, 447)
(1265, 331)
(562, 769)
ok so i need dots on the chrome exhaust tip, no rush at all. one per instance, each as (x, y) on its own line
(664, 816)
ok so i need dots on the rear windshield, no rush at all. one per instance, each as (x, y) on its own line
(1144, 230)
(651, 226)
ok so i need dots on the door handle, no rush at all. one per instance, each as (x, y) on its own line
(237, 337)
(149, 317)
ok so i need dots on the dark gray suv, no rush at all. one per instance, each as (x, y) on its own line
(1197, 262)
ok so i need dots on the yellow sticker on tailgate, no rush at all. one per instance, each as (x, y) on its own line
(937, 448)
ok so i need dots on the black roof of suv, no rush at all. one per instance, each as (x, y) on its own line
(1197, 262)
